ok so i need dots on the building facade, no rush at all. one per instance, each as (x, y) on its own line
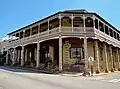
(64, 42)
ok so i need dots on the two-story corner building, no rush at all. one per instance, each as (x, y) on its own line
(65, 41)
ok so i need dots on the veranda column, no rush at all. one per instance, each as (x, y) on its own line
(111, 58)
(18, 54)
(7, 58)
(60, 54)
(118, 58)
(26, 54)
(22, 56)
(97, 56)
(106, 58)
(85, 49)
(72, 17)
(38, 55)
(13, 58)
(60, 45)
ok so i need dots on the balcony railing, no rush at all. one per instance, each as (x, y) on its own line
(52, 32)
(66, 29)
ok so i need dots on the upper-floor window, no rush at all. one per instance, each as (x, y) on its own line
(96, 23)
(118, 38)
(54, 23)
(101, 26)
(89, 22)
(66, 21)
(78, 22)
(106, 30)
(115, 35)
(44, 27)
(21, 34)
(111, 32)
(27, 32)
(35, 30)
(17, 35)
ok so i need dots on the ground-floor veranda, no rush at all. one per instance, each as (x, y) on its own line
(66, 54)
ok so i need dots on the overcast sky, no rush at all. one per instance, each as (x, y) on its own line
(15, 14)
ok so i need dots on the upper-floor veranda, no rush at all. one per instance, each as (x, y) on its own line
(67, 23)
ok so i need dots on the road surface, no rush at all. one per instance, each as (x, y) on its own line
(24, 79)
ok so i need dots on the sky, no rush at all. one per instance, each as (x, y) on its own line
(15, 14)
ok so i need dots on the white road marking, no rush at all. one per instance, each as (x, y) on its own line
(99, 78)
(113, 80)
(117, 81)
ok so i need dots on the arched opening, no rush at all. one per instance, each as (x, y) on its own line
(18, 55)
(30, 52)
(10, 55)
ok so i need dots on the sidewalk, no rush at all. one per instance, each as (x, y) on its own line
(69, 74)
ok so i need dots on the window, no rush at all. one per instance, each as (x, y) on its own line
(77, 53)
(78, 22)
(54, 23)
(89, 22)
(27, 32)
(44, 27)
(101, 27)
(34, 30)
(21, 35)
(111, 32)
(114, 34)
(96, 23)
(106, 30)
(66, 21)
(118, 36)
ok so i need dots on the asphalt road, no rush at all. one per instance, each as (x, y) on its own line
(24, 79)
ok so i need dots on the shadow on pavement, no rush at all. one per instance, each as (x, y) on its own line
(23, 70)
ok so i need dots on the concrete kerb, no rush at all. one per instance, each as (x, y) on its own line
(69, 74)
